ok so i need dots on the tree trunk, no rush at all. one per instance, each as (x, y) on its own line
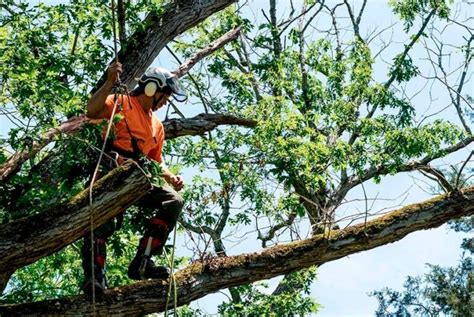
(202, 278)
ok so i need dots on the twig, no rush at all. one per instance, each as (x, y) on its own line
(221, 41)
(458, 177)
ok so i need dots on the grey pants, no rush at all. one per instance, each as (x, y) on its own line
(164, 201)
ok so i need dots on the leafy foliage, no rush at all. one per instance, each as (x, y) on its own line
(52, 178)
(48, 278)
(326, 114)
(409, 10)
(255, 302)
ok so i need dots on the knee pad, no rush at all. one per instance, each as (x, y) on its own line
(157, 227)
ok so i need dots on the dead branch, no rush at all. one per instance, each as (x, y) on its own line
(214, 46)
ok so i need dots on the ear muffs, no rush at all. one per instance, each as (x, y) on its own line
(150, 89)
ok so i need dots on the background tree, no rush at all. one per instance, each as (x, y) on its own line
(334, 109)
(443, 290)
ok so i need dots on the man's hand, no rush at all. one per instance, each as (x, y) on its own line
(114, 71)
(174, 180)
(95, 107)
(177, 182)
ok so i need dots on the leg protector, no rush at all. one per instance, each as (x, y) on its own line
(156, 233)
(142, 267)
(100, 255)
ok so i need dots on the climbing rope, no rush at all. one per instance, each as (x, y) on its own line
(172, 282)
(91, 216)
(114, 31)
(117, 87)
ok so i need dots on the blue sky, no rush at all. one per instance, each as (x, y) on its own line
(342, 285)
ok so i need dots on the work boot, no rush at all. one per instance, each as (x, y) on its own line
(99, 282)
(142, 268)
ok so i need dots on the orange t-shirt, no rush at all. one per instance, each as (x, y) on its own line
(145, 127)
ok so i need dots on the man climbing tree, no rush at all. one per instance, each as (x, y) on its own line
(332, 103)
(138, 133)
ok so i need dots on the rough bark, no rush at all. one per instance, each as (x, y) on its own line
(26, 240)
(202, 123)
(202, 278)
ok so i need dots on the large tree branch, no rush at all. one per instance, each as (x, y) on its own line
(374, 171)
(28, 239)
(13, 164)
(202, 278)
(202, 123)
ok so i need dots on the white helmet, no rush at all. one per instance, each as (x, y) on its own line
(160, 79)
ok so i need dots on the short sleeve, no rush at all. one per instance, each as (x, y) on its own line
(109, 106)
(155, 155)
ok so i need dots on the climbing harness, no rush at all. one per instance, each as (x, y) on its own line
(119, 90)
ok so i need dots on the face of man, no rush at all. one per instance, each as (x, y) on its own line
(161, 99)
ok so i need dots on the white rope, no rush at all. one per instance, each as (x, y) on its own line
(172, 277)
(94, 176)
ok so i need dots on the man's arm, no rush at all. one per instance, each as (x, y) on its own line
(96, 106)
